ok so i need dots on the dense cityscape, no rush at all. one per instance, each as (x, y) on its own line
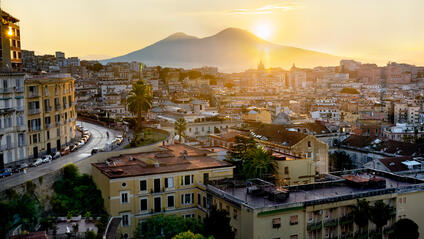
(126, 149)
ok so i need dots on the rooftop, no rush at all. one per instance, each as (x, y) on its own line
(171, 158)
(346, 186)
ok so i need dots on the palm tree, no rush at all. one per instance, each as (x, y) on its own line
(380, 214)
(360, 214)
(259, 163)
(139, 100)
(180, 126)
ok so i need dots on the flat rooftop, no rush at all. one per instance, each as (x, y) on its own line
(170, 158)
(338, 189)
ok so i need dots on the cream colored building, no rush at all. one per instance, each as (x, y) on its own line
(258, 115)
(50, 114)
(167, 181)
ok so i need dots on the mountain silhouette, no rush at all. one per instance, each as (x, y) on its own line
(230, 50)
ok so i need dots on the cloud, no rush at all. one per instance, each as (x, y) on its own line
(267, 9)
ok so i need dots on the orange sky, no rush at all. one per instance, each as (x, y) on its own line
(376, 30)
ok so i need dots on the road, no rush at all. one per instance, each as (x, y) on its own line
(98, 140)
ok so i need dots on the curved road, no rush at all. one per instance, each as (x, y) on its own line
(98, 140)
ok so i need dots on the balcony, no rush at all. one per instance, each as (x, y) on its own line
(314, 226)
(347, 219)
(33, 94)
(48, 126)
(19, 89)
(65, 106)
(20, 108)
(58, 107)
(48, 108)
(20, 128)
(6, 110)
(33, 129)
(33, 111)
(6, 90)
(331, 222)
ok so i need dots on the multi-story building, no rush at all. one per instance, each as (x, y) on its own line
(50, 113)
(12, 119)
(167, 181)
(259, 209)
(10, 43)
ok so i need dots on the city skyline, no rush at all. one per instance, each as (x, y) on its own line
(380, 34)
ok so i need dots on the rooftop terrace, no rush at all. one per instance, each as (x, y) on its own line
(344, 186)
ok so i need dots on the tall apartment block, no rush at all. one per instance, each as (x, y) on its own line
(10, 47)
(50, 113)
(12, 119)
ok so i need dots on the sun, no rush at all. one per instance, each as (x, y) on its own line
(263, 30)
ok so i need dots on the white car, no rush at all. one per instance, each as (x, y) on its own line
(81, 143)
(47, 158)
(37, 162)
(56, 155)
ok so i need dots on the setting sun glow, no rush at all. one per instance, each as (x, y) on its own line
(263, 30)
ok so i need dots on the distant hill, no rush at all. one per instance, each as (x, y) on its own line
(231, 50)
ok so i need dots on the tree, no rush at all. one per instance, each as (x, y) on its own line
(90, 235)
(380, 214)
(139, 100)
(258, 163)
(339, 160)
(166, 226)
(405, 228)
(217, 224)
(180, 126)
(360, 214)
(237, 153)
(189, 235)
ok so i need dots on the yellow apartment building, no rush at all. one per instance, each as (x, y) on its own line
(167, 181)
(260, 210)
(51, 115)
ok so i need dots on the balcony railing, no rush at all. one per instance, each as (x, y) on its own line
(20, 108)
(32, 129)
(19, 89)
(33, 94)
(6, 90)
(312, 226)
(34, 111)
(48, 108)
(65, 106)
(58, 107)
(347, 219)
(6, 110)
(331, 222)
(48, 126)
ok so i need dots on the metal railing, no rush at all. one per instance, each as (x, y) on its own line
(58, 107)
(6, 90)
(20, 108)
(33, 111)
(48, 108)
(33, 94)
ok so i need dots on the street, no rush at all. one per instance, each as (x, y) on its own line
(98, 140)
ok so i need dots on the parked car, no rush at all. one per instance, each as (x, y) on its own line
(37, 162)
(81, 143)
(56, 155)
(47, 158)
(96, 150)
(74, 147)
(65, 150)
(6, 172)
(24, 165)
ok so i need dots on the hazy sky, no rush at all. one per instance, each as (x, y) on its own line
(378, 30)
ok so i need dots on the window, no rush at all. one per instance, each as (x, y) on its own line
(204, 202)
(171, 201)
(199, 199)
(125, 219)
(188, 216)
(143, 185)
(187, 198)
(293, 237)
(143, 205)
(294, 220)
(169, 182)
(187, 180)
(286, 170)
(276, 222)
(124, 184)
(124, 197)
(157, 204)
(235, 212)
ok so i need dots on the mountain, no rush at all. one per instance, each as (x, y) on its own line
(231, 50)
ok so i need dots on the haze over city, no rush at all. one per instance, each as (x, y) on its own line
(193, 119)
(368, 30)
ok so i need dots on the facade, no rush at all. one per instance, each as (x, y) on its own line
(12, 119)
(170, 180)
(10, 48)
(259, 115)
(50, 113)
(259, 209)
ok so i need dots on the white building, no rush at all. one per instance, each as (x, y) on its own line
(12, 118)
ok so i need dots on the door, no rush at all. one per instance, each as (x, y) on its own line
(58, 144)
(35, 152)
(49, 148)
(157, 204)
